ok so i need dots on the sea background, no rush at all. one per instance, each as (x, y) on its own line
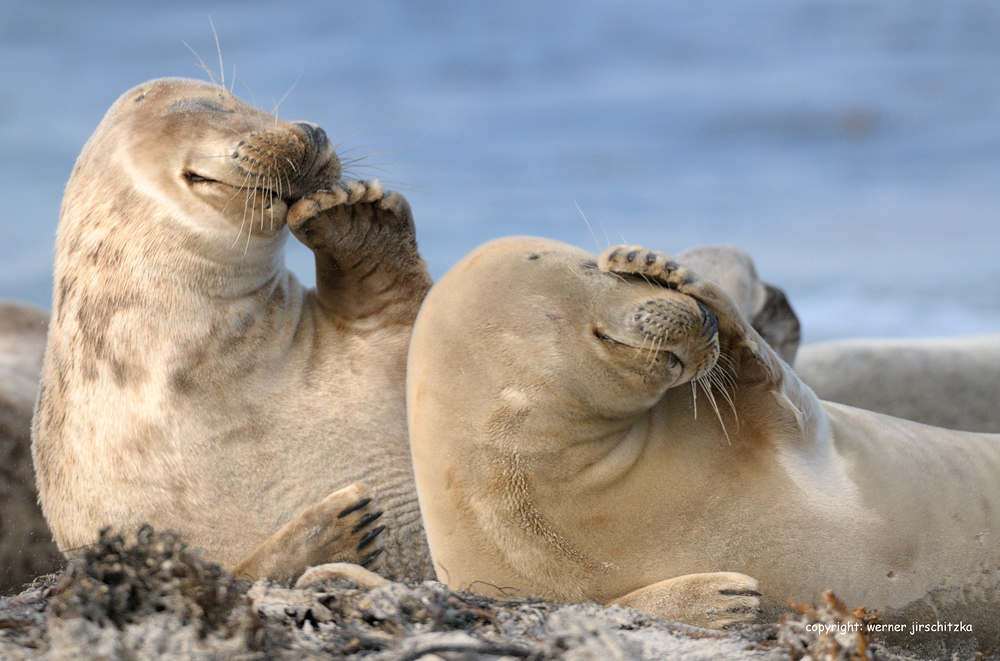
(851, 147)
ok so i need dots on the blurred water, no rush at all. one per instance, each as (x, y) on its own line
(852, 147)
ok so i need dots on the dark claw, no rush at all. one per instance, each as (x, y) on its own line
(650, 259)
(365, 520)
(612, 256)
(672, 265)
(367, 539)
(370, 558)
(629, 257)
(355, 507)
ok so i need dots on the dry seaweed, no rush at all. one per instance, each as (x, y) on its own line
(150, 597)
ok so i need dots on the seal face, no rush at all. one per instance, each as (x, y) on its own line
(561, 450)
(190, 381)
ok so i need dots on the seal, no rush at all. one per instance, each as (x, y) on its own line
(944, 382)
(190, 381)
(26, 546)
(613, 429)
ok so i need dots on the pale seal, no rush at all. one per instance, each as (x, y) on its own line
(946, 382)
(560, 452)
(26, 546)
(190, 381)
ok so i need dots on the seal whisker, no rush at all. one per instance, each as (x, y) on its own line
(374, 153)
(617, 275)
(715, 407)
(201, 63)
(720, 376)
(726, 369)
(200, 158)
(642, 345)
(258, 191)
(218, 48)
(648, 359)
(362, 163)
(584, 216)
(716, 378)
(694, 397)
(232, 196)
(282, 99)
(270, 205)
(652, 354)
(248, 208)
(395, 183)
(236, 191)
(252, 198)
(249, 126)
(281, 193)
(255, 106)
(339, 146)
(228, 129)
(288, 180)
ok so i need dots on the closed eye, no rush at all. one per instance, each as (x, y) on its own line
(194, 177)
(604, 338)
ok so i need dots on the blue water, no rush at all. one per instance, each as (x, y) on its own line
(853, 148)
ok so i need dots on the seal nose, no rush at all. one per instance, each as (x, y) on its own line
(314, 135)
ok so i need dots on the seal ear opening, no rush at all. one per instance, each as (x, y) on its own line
(777, 323)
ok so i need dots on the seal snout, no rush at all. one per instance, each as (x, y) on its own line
(681, 328)
(292, 160)
(320, 166)
(313, 134)
(660, 320)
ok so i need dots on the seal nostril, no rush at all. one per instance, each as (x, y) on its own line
(313, 134)
(710, 323)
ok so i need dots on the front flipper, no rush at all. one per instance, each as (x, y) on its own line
(765, 306)
(367, 262)
(715, 600)
(750, 363)
(341, 527)
(660, 267)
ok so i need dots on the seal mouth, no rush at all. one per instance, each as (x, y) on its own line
(195, 179)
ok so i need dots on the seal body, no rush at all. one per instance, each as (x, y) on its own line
(612, 428)
(946, 382)
(190, 381)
